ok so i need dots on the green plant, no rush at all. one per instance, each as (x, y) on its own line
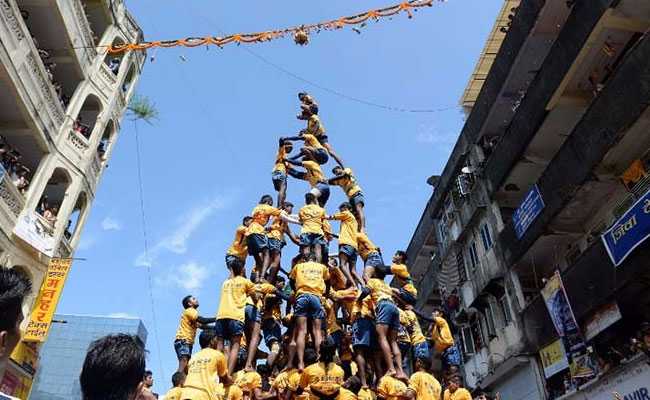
(140, 108)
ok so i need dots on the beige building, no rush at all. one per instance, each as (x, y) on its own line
(61, 102)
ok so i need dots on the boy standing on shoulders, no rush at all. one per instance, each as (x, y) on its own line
(190, 321)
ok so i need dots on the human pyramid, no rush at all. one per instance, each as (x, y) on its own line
(347, 335)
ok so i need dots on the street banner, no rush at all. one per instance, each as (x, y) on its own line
(530, 207)
(37, 232)
(47, 300)
(553, 358)
(629, 231)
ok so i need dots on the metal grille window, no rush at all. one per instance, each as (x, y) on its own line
(477, 333)
(486, 237)
(473, 255)
(505, 309)
(490, 320)
(468, 341)
(460, 263)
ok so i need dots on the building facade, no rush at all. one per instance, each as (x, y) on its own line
(62, 356)
(61, 101)
(552, 160)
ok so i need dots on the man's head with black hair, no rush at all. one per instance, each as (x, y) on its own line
(237, 268)
(267, 199)
(148, 379)
(327, 350)
(353, 384)
(280, 282)
(247, 220)
(423, 364)
(178, 379)
(288, 207)
(190, 301)
(400, 257)
(310, 198)
(113, 368)
(206, 338)
(14, 287)
(310, 356)
(313, 108)
(345, 206)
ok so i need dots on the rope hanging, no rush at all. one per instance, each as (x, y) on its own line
(300, 33)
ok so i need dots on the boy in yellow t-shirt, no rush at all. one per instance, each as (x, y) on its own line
(455, 392)
(258, 245)
(279, 174)
(238, 250)
(178, 379)
(207, 371)
(275, 234)
(312, 236)
(426, 386)
(348, 243)
(314, 175)
(390, 388)
(344, 177)
(324, 378)
(312, 148)
(231, 313)
(190, 321)
(315, 126)
(309, 280)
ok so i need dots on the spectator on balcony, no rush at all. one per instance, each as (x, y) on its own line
(114, 65)
(101, 150)
(20, 179)
(67, 233)
(81, 128)
(50, 215)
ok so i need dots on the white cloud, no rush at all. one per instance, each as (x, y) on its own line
(110, 224)
(429, 134)
(121, 315)
(189, 276)
(176, 241)
(86, 242)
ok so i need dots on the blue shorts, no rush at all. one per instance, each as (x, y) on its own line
(275, 245)
(183, 349)
(337, 338)
(324, 190)
(272, 331)
(252, 314)
(374, 260)
(357, 198)
(309, 305)
(227, 328)
(387, 314)
(321, 156)
(311, 239)
(278, 178)
(256, 243)
(421, 350)
(405, 349)
(231, 260)
(407, 297)
(364, 333)
(350, 252)
(451, 356)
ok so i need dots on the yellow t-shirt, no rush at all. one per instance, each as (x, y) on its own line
(425, 386)
(364, 308)
(310, 278)
(261, 214)
(391, 389)
(234, 392)
(174, 394)
(414, 329)
(203, 373)
(403, 333)
(330, 313)
(248, 381)
(379, 290)
(441, 335)
(314, 173)
(401, 271)
(187, 327)
(345, 394)
(459, 394)
(314, 126)
(280, 165)
(366, 394)
(348, 183)
(277, 229)
(337, 279)
(346, 297)
(234, 292)
(312, 141)
(322, 378)
(365, 246)
(349, 228)
(239, 248)
(311, 217)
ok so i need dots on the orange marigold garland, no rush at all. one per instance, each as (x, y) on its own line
(300, 34)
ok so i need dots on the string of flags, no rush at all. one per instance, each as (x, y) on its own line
(300, 33)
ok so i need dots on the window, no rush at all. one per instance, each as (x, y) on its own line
(490, 320)
(460, 263)
(473, 255)
(486, 237)
(477, 333)
(505, 309)
(468, 341)
(442, 230)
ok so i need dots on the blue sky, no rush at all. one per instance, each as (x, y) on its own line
(208, 159)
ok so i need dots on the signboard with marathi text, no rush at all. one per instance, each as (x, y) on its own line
(48, 298)
(629, 231)
(553, 358)
(528, 210)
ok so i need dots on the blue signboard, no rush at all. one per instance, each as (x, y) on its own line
(528, 210)
(632, 229)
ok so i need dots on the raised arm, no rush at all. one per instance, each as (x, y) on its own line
(293, 162)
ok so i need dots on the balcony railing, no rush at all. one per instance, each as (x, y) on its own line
(78, 142)
(89, 50)
(11, 197)
(107, 74)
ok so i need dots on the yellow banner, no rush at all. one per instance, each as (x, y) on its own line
(48, 298)
(553, 358)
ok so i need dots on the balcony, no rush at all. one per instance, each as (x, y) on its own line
(11, 205)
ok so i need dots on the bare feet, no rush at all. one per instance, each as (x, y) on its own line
(301, 367)
(249, 368)
(402, 377)
(391, 372)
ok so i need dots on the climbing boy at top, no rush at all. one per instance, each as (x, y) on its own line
(315, 126)
(344, 177)
(190, 321)
(312, 174)
(347, 243)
